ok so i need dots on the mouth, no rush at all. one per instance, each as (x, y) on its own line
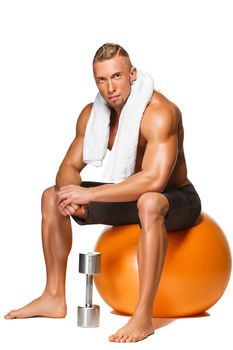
(113, 98)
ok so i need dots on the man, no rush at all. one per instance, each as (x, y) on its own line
(161, 196)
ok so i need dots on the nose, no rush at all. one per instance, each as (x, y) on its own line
(111, 87)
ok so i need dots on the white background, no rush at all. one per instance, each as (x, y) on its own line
(45, 80)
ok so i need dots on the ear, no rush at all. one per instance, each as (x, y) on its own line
(133, 74)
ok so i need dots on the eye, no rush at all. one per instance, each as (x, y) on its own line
(117, 75)
(100, 80)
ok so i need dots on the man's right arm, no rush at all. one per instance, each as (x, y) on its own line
(72, 164)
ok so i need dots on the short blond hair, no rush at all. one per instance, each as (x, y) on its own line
(110, 50)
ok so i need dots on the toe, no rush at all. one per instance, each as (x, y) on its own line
(112, 337)
(129, 339)
(10, 315)
(118, 338)
(135, 339)
(123, 339)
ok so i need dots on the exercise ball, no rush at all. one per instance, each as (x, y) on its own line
(196, 270)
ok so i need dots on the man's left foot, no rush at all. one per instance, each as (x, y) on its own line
(136, 329)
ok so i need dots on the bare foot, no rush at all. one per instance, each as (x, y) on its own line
(44, 306)
(136, 329)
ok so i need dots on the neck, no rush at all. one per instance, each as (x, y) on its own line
(115, 114)
(117, 110)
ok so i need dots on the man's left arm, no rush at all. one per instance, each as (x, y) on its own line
(159, 159)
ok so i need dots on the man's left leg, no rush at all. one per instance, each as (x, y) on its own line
(152, 210)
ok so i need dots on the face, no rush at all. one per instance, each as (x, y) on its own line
(113, 78)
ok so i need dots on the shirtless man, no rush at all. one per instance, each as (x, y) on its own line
(165, 198)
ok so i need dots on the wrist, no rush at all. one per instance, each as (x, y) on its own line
(91, 195)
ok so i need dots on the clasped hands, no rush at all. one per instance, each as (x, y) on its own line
(71, 199)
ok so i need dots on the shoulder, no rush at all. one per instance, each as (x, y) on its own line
(83, 118)
(160, 119)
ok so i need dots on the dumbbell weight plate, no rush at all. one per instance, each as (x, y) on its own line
(89, 263)
(88, 316)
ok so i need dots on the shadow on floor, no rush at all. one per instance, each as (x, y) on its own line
(159, 322)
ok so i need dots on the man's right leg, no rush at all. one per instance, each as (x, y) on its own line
(57, 242)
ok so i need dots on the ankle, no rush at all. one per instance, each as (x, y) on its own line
(144, 311)
(54, 293)
(143, 315)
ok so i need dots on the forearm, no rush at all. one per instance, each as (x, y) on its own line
(67, 175)
(128, 190)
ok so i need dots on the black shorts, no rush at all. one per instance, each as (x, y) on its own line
(184, 209)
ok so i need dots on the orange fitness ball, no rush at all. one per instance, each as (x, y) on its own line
(195, 274)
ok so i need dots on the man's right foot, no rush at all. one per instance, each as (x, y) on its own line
(44, 306)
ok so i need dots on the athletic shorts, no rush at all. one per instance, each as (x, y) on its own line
(184, 209)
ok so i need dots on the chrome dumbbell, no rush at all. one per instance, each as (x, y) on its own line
(88, 315)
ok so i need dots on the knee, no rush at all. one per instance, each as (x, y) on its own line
(48, 199)
(152, 205)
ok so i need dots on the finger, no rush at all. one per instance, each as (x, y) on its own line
(74, 206)
(65, 203)
(62, 212)
(67, 212)
(64, 190)
(61, 196)
(70, 209)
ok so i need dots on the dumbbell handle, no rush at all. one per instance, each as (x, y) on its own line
(89, 290)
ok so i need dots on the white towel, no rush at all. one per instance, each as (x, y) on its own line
(121, 162)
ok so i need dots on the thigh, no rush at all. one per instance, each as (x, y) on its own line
(113, 213)
(108, 213)
(184, 207)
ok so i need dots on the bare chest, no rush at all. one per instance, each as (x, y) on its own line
(112, 136)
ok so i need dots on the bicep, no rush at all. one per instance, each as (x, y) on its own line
(74, 155)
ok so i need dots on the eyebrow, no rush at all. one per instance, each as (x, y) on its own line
(111, 75)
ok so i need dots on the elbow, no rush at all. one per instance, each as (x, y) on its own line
(58, 180)
(155, 185)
